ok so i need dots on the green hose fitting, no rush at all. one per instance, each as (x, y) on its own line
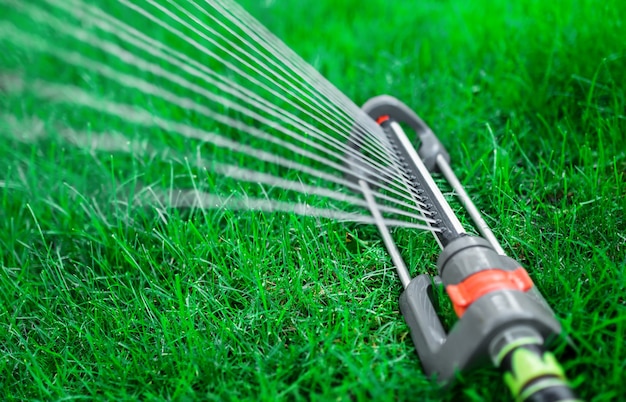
(531, 373)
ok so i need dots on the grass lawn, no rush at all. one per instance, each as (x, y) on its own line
(105, 299)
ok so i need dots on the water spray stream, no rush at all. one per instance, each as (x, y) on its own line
(262, 130)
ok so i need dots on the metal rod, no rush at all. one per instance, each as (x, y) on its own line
(473, 212)
(426, 180)
(392, 249)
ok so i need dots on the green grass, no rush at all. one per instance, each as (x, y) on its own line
(102, 299)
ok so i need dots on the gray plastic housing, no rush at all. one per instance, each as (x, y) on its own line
(467, 344)
(430, 146)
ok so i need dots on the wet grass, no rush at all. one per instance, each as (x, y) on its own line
(103, 299)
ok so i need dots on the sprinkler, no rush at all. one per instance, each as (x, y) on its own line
(502, 317)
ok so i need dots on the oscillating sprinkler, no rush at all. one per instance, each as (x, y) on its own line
(502, 317)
